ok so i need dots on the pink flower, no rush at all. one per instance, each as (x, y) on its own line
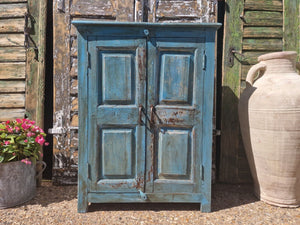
(7, 122)
(10, 130)
(17, 128)
(46, 143)
(25, 126)
(26, 161)
(30, 134)
(32, 122)
(41, 154)
(25, 141)
(6, 142)
(40, 140)
(19, 121)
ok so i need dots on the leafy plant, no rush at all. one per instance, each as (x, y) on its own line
(21, 140)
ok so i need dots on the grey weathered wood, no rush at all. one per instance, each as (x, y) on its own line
(12, 100)
(10, 114)
(12, 1)
(12, 70)
(94, 8)
(15, 54)
(12, 40)
(12, 25)
(188, 10)
(12, 86)
(13, 10)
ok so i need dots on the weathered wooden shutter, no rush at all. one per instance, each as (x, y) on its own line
(252, 28)
(22, 27)
(12, 59)
(65, 124)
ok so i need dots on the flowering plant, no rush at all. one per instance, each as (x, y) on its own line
(21, 140)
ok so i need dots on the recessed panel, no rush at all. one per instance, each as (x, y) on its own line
(117, 78)
(174, 154)
(176, 72)
(118, 151)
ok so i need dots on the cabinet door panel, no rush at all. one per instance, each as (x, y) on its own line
(175, 90)
(115, 92)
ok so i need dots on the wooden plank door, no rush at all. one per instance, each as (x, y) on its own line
(252, 28)
(65, 108)
(116, 100)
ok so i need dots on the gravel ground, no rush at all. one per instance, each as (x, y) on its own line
(231, 204)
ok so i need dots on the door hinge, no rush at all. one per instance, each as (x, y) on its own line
(202, 172)
(88, 60)
(88, 171)
(216, 132)
(204, 61)
(58, 127)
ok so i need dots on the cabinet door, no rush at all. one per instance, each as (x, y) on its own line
(175, 93)
(116, 92)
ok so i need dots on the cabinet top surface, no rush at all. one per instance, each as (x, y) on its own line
(80, 23)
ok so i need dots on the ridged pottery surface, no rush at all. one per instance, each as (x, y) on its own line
(269, 112)
(17, 183)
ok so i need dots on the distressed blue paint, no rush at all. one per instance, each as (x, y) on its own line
(117, 146)
(175, 78)
(117, 78)
(174, 154)
(120, 158)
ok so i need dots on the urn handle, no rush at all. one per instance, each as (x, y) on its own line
(253, 71)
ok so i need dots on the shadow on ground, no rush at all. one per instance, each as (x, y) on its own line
(224, 196)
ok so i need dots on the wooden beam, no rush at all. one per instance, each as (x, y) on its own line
(291, 25)
(35, 65)
(230, 131)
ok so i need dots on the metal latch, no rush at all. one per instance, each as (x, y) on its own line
(216, 132)
(231, 55)
(143, 195)
(58, 127)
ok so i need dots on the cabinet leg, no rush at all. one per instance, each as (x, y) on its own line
(205, 206)
(82, 205)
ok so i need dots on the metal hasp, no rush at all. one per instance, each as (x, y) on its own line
(145, 112)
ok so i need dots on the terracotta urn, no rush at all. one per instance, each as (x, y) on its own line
(269, 113)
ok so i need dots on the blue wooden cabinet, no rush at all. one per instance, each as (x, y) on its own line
(145, 112)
